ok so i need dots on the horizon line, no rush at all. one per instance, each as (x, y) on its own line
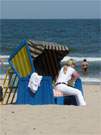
(46, 18)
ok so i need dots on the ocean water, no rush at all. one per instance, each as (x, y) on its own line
(82, 36)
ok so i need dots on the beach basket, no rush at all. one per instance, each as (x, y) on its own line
(21, 63)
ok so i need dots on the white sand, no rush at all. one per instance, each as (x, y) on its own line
(54, 119)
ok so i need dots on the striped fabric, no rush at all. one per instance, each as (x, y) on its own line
(37, 47)
(21, 61)
(46, 56)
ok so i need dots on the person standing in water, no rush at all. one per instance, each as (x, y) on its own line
(84, 66)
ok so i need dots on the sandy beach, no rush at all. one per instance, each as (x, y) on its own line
(54, 119)
(41, 36)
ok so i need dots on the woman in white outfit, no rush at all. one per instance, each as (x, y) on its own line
(65, 75)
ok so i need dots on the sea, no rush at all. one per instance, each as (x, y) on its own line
(81, 36)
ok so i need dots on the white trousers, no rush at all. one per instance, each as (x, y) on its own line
(71, 91)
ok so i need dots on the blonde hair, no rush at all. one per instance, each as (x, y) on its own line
(70, 62)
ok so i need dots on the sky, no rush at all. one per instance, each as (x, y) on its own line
(50, 9)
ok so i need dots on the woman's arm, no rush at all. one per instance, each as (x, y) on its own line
(75, 75)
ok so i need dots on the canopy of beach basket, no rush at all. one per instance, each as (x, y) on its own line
(47, 56)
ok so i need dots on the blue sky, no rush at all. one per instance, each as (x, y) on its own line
(50, 9)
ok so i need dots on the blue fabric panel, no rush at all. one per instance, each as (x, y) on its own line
(59, 100)
(78, 85)
(44, 95)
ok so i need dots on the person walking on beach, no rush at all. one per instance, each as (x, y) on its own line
(66, 73)
(84, 66)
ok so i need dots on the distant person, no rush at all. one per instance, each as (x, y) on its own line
(84, 66)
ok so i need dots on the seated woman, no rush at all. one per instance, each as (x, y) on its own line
(66, 73)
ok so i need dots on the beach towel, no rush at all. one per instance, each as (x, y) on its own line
(34, 82)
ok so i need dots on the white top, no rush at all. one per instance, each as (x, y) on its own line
(65, 77)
